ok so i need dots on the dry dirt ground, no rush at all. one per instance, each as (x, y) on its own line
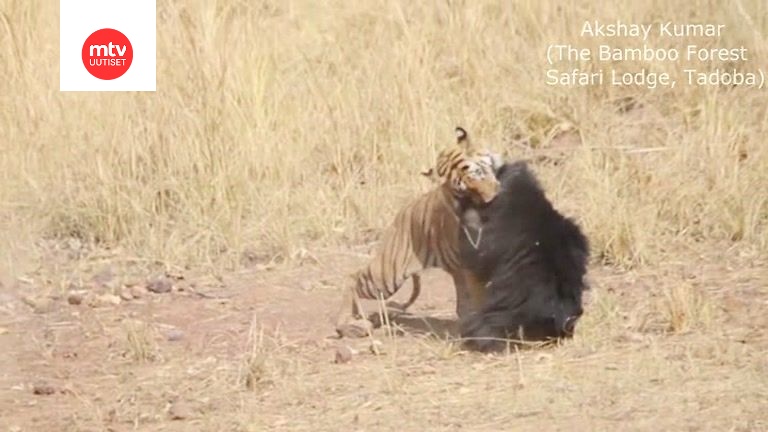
(680, 346)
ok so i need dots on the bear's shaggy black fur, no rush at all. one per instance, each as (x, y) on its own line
(532, 259)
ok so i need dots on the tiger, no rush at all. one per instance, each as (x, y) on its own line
(424, 235)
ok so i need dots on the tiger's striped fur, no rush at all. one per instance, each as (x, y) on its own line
(423, 235)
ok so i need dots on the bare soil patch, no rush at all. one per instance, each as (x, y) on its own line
(680, 346)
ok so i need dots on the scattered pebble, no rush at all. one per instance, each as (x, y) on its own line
(103, 300)
(3, 331)
(344, 354)
(138, 291)
(125, 294)
(75, 298)
(355, 329)
(180, 410)
(43, 388)
(110, 299)
(39, 305)
(376, 347)
(174, 335)
(160, 285)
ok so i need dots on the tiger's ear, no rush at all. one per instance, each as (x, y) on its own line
(430, 174)
(462, 138)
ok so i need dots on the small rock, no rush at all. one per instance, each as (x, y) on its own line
(131, 281)
(43, 388)
(376, 347)
(180, 410)
(160, 285)
(174, 335)
(110, 299)
(344, 354)
(39, 305)
(103, 300)
(104, 276)
(92, 300)
(356, 329)
(3, 331)
(138, 291)
(306, 285)
(125, 294)
(75, 298)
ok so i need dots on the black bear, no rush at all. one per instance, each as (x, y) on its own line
(532, 259)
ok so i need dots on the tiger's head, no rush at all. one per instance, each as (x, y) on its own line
(468, 172)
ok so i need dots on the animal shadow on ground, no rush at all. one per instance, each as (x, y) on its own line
(404, 322)
(444, 329)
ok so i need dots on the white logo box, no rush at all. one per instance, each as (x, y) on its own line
(136, 19)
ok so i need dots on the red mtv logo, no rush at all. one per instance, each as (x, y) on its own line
(107, 54)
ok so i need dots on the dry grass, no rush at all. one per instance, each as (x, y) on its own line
(258, 368)
(686, 308)
(140, 344)
(281, 126)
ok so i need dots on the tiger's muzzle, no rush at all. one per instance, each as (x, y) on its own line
(488, 190)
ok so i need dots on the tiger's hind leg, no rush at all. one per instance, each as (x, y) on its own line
(349, 321)
(374, 282)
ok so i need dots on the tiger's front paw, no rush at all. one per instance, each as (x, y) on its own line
(355, 329)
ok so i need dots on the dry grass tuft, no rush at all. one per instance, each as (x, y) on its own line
(140, 341)
(685, 308)
(258, 368)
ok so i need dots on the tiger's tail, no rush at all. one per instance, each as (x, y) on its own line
(368, 287)
(415, 293)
